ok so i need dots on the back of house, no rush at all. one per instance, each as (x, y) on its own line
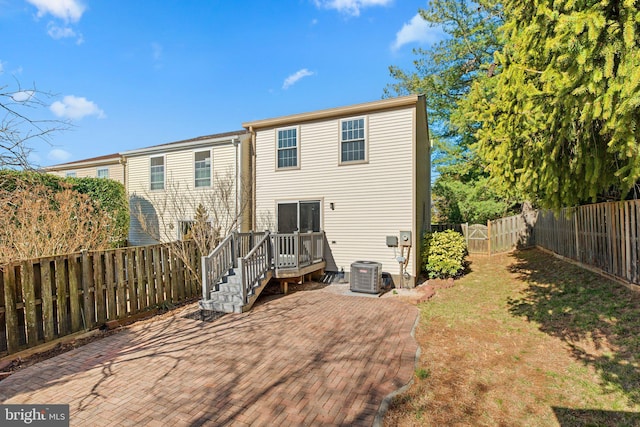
(359, 173)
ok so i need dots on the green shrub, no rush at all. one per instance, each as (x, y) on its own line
(111, 196)
(445, 255)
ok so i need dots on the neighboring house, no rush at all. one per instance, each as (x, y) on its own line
(166, 184)
(359, 173)
(110, 166)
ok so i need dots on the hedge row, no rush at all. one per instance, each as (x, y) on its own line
(107, 194)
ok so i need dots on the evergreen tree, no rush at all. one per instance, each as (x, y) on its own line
(561, 120)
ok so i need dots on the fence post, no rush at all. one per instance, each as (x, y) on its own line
(242, 279)
(11, 312)
(466, 232)
(575, 225)
(87, 282)
(489, 236)
(205, 286)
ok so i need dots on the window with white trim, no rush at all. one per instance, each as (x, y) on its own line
(287, 148)
(202, 168)
(157, 173)
(70, 175)
(352, 140)
(102, 173)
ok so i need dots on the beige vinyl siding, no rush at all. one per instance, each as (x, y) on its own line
(116, 171)
(372, 200)
(179, 199)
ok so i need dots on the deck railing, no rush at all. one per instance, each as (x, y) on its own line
(217, 264)
(255, 265)
(257, 252)
(247, 241)
(297, 250)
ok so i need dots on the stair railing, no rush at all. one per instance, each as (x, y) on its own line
(255, 265)
(217, 264)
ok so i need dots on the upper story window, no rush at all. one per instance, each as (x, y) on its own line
(352, 140)
(70, 174)
(288, 148)
(103, 173)
(202, 168)
(157, 173)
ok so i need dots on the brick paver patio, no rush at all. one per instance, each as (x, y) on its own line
(309, 358)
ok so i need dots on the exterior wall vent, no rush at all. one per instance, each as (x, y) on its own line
(366, 276)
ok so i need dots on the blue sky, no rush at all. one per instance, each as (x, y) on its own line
(130, 74)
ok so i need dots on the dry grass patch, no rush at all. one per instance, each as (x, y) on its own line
(526, 339)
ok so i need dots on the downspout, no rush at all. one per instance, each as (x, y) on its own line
(236, 142)
(252, 163)
(123, 162)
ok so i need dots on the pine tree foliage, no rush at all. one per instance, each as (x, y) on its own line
(561, 121)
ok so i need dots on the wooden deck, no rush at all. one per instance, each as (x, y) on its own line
(257, 257)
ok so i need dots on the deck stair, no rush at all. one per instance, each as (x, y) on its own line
(240, 267)
(228, 297)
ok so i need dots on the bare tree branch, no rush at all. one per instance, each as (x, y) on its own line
(18, 127)
(211, 214)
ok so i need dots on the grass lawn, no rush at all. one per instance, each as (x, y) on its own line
(525, 339)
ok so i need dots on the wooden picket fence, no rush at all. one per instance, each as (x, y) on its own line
(604, 236)
(47, 298)
(500, 235)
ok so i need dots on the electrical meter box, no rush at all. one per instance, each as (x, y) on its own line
(392, 241)
(405, 238)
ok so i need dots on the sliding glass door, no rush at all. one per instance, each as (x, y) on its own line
(302, 216)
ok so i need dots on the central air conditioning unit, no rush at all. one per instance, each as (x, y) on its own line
(366, 276)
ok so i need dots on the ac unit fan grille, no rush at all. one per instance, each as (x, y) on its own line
(366, 276)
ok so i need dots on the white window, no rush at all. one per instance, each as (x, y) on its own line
(103, 173)
(202, 168)
(352, 140)
(70, 174)
(287, 148)
(157, 173)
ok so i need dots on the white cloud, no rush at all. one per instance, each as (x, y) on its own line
(57, 33)
(293, 78)
(416, 30)
(67, 10)
(22, 96)
(350, 7)
(74, 107)
(58, 155)
(1, 67)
